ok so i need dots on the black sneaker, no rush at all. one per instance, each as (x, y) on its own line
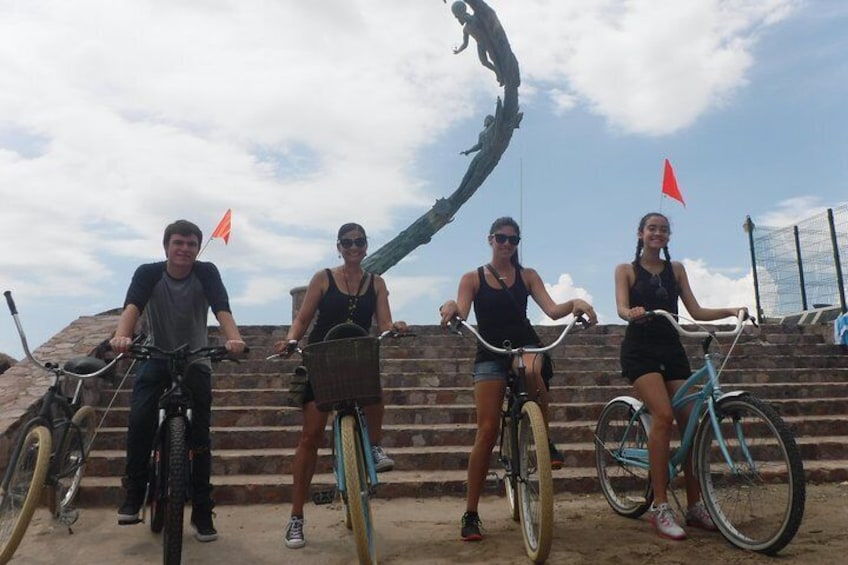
(129, 510)
(201, 521)
(557, 460)
(471, 527)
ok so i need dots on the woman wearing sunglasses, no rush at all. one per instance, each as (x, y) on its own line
(498, 291)
(653, 359)
(341, 294)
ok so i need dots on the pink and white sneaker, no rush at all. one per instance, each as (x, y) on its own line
(663, 520)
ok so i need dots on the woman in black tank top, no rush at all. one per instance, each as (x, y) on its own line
(498, 293)
(342, 294)
(653, 358)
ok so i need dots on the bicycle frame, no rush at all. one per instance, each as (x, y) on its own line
(702, 403)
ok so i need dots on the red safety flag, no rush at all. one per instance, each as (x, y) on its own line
(669, 186)
(224, 227)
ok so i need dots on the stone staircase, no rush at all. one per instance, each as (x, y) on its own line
(429, 422)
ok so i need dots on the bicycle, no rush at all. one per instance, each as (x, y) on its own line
(745, 457)
(51, 450)
(169, 485)
(344, 372)
(523, 451)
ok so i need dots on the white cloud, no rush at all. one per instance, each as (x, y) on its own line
(404, 291)
(792, 211)
(647, 66)
(713, 289)
(561, 291)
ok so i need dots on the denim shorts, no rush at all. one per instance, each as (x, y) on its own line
(490, 371)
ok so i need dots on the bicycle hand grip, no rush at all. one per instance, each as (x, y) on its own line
(11, 302)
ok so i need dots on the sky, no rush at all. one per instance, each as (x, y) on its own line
(117, 118)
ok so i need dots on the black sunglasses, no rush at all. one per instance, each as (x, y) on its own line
(661, 292)
(347, 243)
(503, 238)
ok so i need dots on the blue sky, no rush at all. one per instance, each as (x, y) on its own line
(117, 118)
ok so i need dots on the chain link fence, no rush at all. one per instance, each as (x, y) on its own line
(802, 267)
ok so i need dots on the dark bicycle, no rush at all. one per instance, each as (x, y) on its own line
(51, 450)
(169, 485)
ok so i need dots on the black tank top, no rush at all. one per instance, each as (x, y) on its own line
(333, 309)
(501, 317)
(648, 292)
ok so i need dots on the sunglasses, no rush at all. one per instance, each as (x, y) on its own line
(503, 238)
(347, 243)
(661, 292)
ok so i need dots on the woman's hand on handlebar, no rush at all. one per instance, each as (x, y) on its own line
(399, 327)
(448, 311)
(285, 348)
(582, 308)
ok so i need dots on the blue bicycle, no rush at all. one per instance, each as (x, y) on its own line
(745, 457)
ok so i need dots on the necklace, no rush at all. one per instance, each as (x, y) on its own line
(352, 299)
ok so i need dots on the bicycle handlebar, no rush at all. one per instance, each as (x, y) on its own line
(292, 346)
(458, 322)
(48, 366)
(214, 353)
(741, 317)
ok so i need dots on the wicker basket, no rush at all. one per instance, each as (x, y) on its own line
(344, 371)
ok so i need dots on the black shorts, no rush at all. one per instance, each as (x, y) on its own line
(668, 358)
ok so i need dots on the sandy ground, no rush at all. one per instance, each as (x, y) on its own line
(427, 531)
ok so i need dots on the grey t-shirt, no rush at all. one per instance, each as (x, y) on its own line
(176, 309)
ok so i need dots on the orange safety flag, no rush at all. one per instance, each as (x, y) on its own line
(224, 227)
(669, 185)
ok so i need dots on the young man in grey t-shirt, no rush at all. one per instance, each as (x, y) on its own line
(176, 295)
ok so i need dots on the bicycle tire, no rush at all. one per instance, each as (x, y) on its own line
(535, 483)
(509, 478)
(158, 475)
(24, 481)
(627, 488)
(70, 460)
(172, 532)
(358, 491)
(759, 504)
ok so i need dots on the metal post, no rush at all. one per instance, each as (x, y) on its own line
(800, 269)
(748, 226)
(840, 282)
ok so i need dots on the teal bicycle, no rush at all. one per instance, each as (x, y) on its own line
(745, 457)
(344, 372)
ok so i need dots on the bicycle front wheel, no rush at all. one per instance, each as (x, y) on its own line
(172, 536)
(756, 499)
(509, 466)
(535, 483)
(357, 485)
(21, 490)
(621, 459)
(71, 459)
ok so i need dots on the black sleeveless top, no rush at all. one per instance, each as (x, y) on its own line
(334, 309)
(654, 292)
(499, 318)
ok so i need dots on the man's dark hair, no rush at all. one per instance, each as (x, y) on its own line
(182, 227)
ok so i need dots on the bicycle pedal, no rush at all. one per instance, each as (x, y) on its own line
(324, 496)
(68, 517)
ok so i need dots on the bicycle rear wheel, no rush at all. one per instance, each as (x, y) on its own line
(757, 503)
(357, 485)
(71, 459)
(535, 483)
(621, 459)
(21, 490)
(509, 466)
(172, 533)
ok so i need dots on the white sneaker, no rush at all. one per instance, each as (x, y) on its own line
(382, 462)
(663, 520)
(294, 533)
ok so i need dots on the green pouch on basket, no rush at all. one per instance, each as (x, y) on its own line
(297, 388)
